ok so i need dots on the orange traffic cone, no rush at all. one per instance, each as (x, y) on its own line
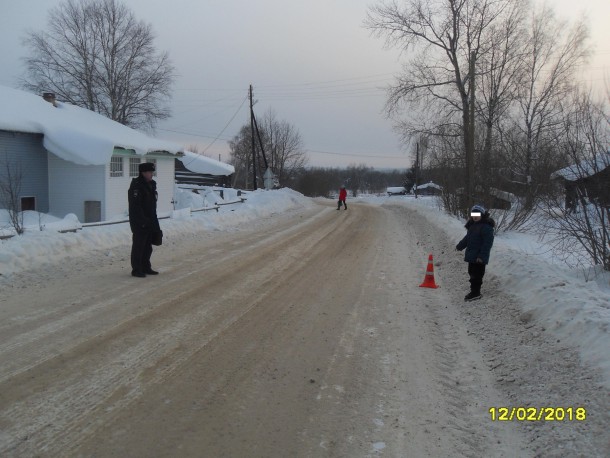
(429, 278)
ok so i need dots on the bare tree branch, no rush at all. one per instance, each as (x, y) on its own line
(96, 55)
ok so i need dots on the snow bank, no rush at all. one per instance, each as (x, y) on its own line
(573, 309)
(37, 248)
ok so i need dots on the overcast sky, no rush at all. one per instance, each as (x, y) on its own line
(311, 61)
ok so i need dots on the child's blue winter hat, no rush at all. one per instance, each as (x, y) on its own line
(478, 208)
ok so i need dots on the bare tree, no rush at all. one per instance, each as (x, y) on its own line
(448, 35)
(97, 55)
(500, 72)
(580, 215)
(11, 178)
(241, 157)
(283, 147)
(553, 53)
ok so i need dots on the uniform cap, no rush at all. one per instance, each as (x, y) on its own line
(146, 167)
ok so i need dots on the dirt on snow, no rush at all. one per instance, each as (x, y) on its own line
(304, 335)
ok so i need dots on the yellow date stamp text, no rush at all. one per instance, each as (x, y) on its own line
(538, 413)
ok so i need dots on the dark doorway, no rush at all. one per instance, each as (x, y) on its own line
(28, 203)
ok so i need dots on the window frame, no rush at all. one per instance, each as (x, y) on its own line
(134, 170)
(116, 166)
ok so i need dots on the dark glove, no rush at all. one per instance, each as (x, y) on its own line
(479, 261)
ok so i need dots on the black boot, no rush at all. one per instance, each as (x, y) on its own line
(472, 296)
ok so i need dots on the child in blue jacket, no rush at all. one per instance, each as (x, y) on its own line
(478, 242)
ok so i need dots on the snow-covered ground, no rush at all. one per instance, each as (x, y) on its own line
(573, 309)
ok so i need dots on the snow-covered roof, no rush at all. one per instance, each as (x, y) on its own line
(202, 164)
(72, 133)
(584, 169)
(507, 196)
(429, 185)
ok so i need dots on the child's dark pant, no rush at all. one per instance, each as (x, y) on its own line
(476, 272)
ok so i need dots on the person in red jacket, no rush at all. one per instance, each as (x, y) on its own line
(342, 197)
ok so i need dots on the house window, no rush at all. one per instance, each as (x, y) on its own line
(134, 163)
(116, 166)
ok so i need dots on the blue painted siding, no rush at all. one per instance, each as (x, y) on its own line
(71, 185)
(25, 152)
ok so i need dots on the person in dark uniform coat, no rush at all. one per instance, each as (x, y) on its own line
(143, 220)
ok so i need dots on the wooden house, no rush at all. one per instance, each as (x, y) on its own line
(428, 189)
(588, 179)
(198, 170)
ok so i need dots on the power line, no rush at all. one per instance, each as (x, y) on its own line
(192, 134)
(226, 125)
(354, 154)
(287, 85)
(213, 138)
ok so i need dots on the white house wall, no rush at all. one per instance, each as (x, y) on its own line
(165, 183)
(116, 187)
(116, 192)
(70, 185)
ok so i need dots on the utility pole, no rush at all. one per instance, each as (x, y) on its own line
(417, 165)
(470, 146)
(252, 138)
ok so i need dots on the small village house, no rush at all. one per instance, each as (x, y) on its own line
(587, 179)
(195, 169)
(428, 189)
(72, 160)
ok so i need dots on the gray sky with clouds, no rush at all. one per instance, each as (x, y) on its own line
(311, 61)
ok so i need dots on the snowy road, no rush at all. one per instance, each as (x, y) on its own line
(304, 336)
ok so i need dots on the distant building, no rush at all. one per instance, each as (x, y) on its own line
(498, 199)
(194, 169)
(590, 179)
(428, 189)
(396, 191)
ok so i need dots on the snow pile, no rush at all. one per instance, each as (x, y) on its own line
(39, 248)
(197, 197)
(34, 221)
(191, 199)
